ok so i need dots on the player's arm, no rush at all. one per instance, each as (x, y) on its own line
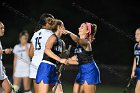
(6, 51)
(133, 68)
(50, 42)
(1, 51)
(14, 62)
(73, 60)
(31, 50)
(76, 39)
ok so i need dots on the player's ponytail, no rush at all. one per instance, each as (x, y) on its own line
(44, 19)
(92, 28)
(56, 24)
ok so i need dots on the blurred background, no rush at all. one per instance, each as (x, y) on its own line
(112, 49)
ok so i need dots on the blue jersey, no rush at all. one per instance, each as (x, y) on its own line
(47, 72)
(56, 49)
(137, 54)
(88, 70)
(83, 55)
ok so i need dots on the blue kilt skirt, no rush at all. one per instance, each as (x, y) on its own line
(138, 73)
(89, 73)
(46, 73)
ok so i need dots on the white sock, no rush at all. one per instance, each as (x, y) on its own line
(16, 87)
(28, 91)
(56, 92)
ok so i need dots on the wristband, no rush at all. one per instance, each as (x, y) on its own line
(3, 51)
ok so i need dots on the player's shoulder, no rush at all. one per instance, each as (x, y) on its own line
(43, 32)
(28, 44)
(135, 44)
(17, 46)
(34, 34)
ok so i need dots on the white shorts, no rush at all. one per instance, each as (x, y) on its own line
(21, 74)
(33, 71)
(21, 69)
(2, 72)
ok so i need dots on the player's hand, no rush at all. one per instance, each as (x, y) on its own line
(69, 60)
(8, 51)
(133, 74)
(61, 28)
(65, 32)
(64, 61)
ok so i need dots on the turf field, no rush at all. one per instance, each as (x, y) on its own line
(101, 89)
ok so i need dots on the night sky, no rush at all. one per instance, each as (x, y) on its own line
(110, 47)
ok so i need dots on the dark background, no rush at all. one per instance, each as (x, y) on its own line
(110, 46)
(113, 50)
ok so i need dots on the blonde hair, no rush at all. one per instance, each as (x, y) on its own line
(57, 23)
(94, 30)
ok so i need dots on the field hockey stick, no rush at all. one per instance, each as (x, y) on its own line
(59, 76)
(11, 85)
(64, 55)
(4, 71)
(129, 84)
(24, 60)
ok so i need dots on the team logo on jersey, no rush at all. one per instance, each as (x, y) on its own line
(78, 50)
(58, 48)
(137, 52)
(40, 33)
(23, 50)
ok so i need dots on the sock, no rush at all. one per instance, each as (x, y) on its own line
(16, 87)
(27, 91)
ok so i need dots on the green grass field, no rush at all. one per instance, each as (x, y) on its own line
(101, 89)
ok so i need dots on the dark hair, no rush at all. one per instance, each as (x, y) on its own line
(57, 23)
(24, 33)
(44, 18)
(138, 28)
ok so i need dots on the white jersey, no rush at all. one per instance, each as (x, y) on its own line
(22, 61)
(1, 49)
(39, 40)
(2, 70)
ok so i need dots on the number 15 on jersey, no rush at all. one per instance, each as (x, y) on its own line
(37, 43)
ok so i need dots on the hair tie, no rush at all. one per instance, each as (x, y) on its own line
(89, 29)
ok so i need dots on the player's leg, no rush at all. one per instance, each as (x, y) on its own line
(35, 86)
(89, 88)
(59, 88)
(5, 86)
(17, 82)
(137, 89)
(77, 88)
(43, 88)
(27, 83)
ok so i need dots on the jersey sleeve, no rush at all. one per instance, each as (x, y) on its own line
(31, 39)
(15, 49)
(28, 45)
